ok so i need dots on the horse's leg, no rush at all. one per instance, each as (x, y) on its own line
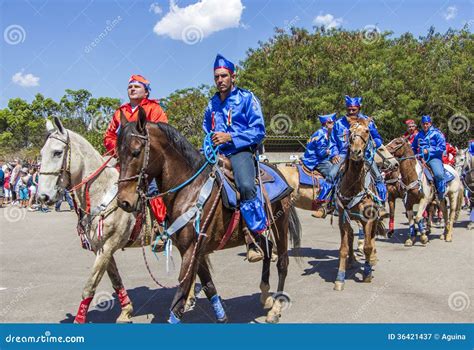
(101, 263)
(344, 228)
(360, 238)
(449, 220)
(211, 292)
(419, 218)
(369, 250)
(351, 259)
(182, 292)
(266, 298)
(125, 303)
(281, 241)
(391, 222)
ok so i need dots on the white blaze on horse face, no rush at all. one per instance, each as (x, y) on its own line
(52, 158)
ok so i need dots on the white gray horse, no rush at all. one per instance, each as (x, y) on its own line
(66, 159)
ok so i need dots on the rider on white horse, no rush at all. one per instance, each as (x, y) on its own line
(430, 144)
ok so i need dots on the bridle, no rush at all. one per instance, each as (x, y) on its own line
(141, 177)
(65, 170)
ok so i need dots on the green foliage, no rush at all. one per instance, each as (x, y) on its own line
(302, 74)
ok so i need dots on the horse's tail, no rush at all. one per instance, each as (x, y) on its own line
(295, 228)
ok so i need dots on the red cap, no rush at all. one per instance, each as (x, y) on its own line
(410, 122)
(141, 80)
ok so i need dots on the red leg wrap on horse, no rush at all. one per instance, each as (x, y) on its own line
(82, 312)
(391, 224)
(123, 296)
(159, 209)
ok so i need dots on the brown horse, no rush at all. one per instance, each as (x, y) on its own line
(355, 201)
(420, 193)
(158, 151)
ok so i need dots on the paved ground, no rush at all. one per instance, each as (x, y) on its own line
(43, 269)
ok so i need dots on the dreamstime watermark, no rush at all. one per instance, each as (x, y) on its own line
(284, 299)
(14, 34)
(99, 122)
(459, 123)
(47, 337)
(290, 24)
(370, 34)
(110, 25)
(104, 301)
(14, 214)
(192, 34)
(281, 124)
(370, 213)
(20, 295)
(459, 301)
(363, 307)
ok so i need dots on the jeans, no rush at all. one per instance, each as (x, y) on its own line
(68, 199)
(436, 166)
(243, 166)
(324, 168)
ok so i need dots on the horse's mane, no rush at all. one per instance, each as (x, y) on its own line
(191, 155)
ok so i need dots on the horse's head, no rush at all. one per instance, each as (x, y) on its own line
(359, 139)
(133, 153)
(398, 147)
(55, 163)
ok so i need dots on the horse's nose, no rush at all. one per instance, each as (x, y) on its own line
(358, 152)
(43, 198)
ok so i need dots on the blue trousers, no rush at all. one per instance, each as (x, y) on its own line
(68, 198)
(251, 206)
(438, 171)
(324, 168)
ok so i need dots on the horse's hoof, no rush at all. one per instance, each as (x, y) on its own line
(373, 261)
(409, 242)
(272, 318)
(222, 320)
(449, 238)
(424, 239)
(367, 279)
(390, 233)
(442, 237)
(339, 286)
(268, 303)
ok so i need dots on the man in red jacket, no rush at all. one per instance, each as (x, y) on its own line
(138, 93)
(411, 130)
(449, 157)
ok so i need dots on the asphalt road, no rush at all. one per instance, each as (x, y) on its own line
(43, 270)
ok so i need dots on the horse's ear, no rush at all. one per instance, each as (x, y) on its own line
(59, 125)
(123, 119)
(141, 123)
(49, 127)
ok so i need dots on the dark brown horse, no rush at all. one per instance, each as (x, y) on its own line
(158, 151)
(355, 202)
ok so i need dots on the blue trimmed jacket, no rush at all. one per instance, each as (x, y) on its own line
(240, 115)
(339, 140)
(317, 149)
(433, 140)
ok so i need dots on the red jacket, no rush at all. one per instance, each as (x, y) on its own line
(154, 113)
(449, 157)
(410, 137)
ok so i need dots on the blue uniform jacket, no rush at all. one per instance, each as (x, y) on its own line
(240, 115)
(317, 149)
(339, 140)
(433, 140)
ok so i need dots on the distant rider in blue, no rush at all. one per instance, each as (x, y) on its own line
(235, 119)
(339, 144)
(430, 144)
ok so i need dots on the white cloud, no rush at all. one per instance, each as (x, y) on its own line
(156, 9)
(25, 80)
(450, 13)
(328, 21)
(200, 19)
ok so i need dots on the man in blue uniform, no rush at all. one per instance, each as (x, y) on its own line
(430, 144)
(235, 119)
(339, 144)
(317, 155)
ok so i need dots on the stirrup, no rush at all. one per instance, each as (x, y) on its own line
(254, 253)
(320, 213)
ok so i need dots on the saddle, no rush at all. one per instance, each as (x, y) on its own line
(309, 178)
(274, 184)
(448, 176)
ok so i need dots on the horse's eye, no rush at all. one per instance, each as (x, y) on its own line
(135, 153)
(57, 153)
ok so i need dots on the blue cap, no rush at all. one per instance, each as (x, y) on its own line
(353, 101)
(471, 147)
(425, 119)
(323, 119)
(222, 62)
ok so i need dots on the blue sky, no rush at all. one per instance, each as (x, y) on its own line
(49, 46)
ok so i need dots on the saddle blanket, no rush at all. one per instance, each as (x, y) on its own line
(305, 179)
(448, 176)
(276, 187)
